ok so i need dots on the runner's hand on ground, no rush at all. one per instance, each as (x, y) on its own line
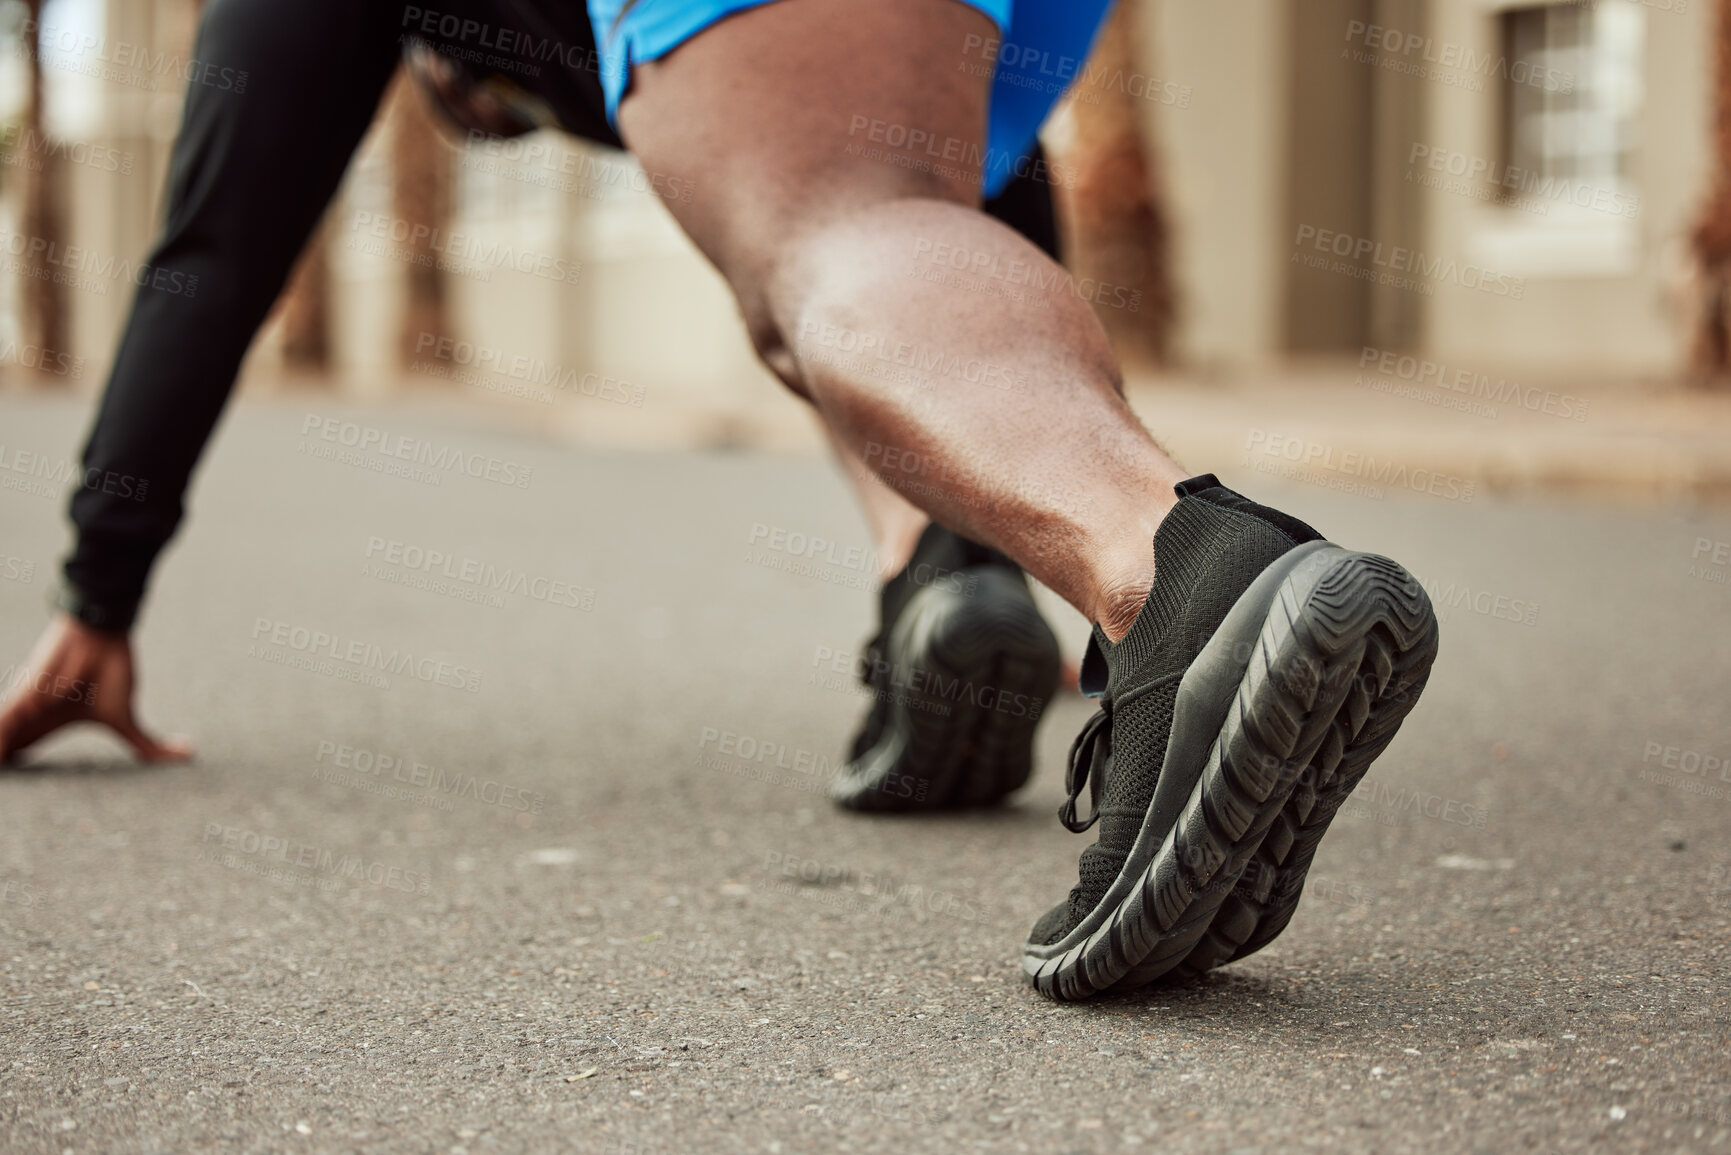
(77, 674)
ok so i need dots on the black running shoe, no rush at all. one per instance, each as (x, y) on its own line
(961, 669)
(1265, 672)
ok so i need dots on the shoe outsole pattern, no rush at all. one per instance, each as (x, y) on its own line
(1340, 660)
(972, 667)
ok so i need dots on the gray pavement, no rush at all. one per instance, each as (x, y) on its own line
(561, 882)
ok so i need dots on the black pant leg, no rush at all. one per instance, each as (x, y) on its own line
(285, 92)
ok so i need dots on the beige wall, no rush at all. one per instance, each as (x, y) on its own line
(1602, 304)
(1275, 136)
(1224, 159)
(1329, 184)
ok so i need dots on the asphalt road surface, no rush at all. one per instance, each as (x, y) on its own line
(561, 876)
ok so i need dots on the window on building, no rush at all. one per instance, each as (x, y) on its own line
(1572, 92)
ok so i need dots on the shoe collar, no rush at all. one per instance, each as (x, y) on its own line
(1095, 674)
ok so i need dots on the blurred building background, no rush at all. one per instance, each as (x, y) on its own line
(1512, 188)
(1556, 153)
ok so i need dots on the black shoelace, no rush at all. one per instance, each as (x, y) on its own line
(1091, 758)
(1093, 744)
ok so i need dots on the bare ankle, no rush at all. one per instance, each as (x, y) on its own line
(896, 544)
(1120, 603)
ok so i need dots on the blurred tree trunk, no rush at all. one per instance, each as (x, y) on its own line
(45, 312)
(420, 195)
(1712, 237)
(306, 308)
(1116, 228)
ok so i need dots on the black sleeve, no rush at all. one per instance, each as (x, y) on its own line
(280, 94)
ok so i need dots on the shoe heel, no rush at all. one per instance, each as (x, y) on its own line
(975, 667)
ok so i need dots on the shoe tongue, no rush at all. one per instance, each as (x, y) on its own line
(1183, 549)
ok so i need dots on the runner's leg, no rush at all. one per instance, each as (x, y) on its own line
(896, 523)
(818, 241)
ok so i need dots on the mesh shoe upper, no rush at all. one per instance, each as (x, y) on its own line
(1207, 552)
